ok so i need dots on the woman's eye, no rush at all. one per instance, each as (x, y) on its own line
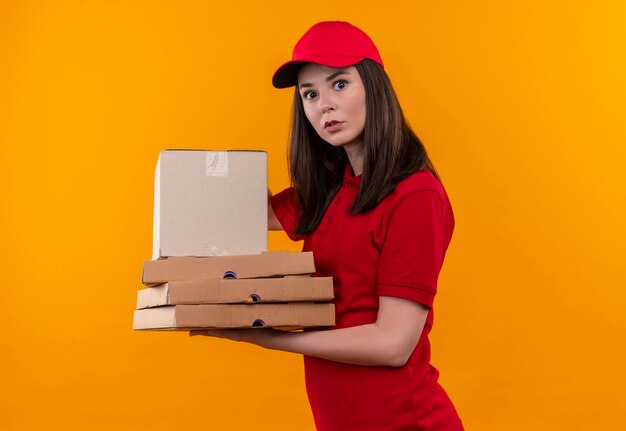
(340, 85)
(309, 95)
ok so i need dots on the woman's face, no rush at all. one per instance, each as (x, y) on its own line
(334, 103)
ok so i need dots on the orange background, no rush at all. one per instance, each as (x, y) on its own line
(522, 106)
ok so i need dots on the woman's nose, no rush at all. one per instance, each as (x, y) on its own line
(326, 103)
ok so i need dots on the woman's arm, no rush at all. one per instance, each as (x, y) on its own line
(272, 220)
(387, 342)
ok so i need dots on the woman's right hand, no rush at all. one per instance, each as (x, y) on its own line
(272, 221)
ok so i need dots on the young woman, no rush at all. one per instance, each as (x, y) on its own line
(368, 202)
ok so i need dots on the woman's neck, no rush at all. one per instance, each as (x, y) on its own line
(354, 151)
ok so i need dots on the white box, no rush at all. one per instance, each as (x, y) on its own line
(210, 203)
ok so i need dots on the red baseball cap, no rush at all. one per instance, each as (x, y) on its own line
(331, 43)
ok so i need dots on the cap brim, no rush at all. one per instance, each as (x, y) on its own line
(287, 74)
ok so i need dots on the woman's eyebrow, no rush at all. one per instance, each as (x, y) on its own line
(336, 74)
(328, 78)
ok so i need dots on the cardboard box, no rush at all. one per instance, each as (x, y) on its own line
(217, 290)
(185, 317)
(268, 264)
(210, 203)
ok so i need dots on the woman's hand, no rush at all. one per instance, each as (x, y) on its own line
(230, 334)
(260, 336)
(272, 220)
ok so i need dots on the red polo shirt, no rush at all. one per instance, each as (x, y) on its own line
(396, 249)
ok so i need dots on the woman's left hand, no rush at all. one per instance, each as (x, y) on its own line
(254, 336)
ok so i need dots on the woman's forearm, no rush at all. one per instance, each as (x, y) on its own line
(360, 345)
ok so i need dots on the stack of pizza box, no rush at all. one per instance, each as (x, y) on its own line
(265, 290)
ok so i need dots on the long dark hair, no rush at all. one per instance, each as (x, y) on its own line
(392, 152)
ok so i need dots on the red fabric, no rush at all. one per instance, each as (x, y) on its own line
(331, 43)
(396, 249)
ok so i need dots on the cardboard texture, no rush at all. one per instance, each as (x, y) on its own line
(186, 317)
(210, 261)
(217, 291)
(269, 264)
(210, 203)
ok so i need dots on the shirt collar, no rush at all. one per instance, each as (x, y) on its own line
(348, 175)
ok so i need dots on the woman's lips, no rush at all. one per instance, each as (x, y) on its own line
(333, 126)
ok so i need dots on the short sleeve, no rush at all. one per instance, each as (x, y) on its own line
(418, 233)
(287, 212)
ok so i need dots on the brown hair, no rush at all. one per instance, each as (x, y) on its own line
(392, 152)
